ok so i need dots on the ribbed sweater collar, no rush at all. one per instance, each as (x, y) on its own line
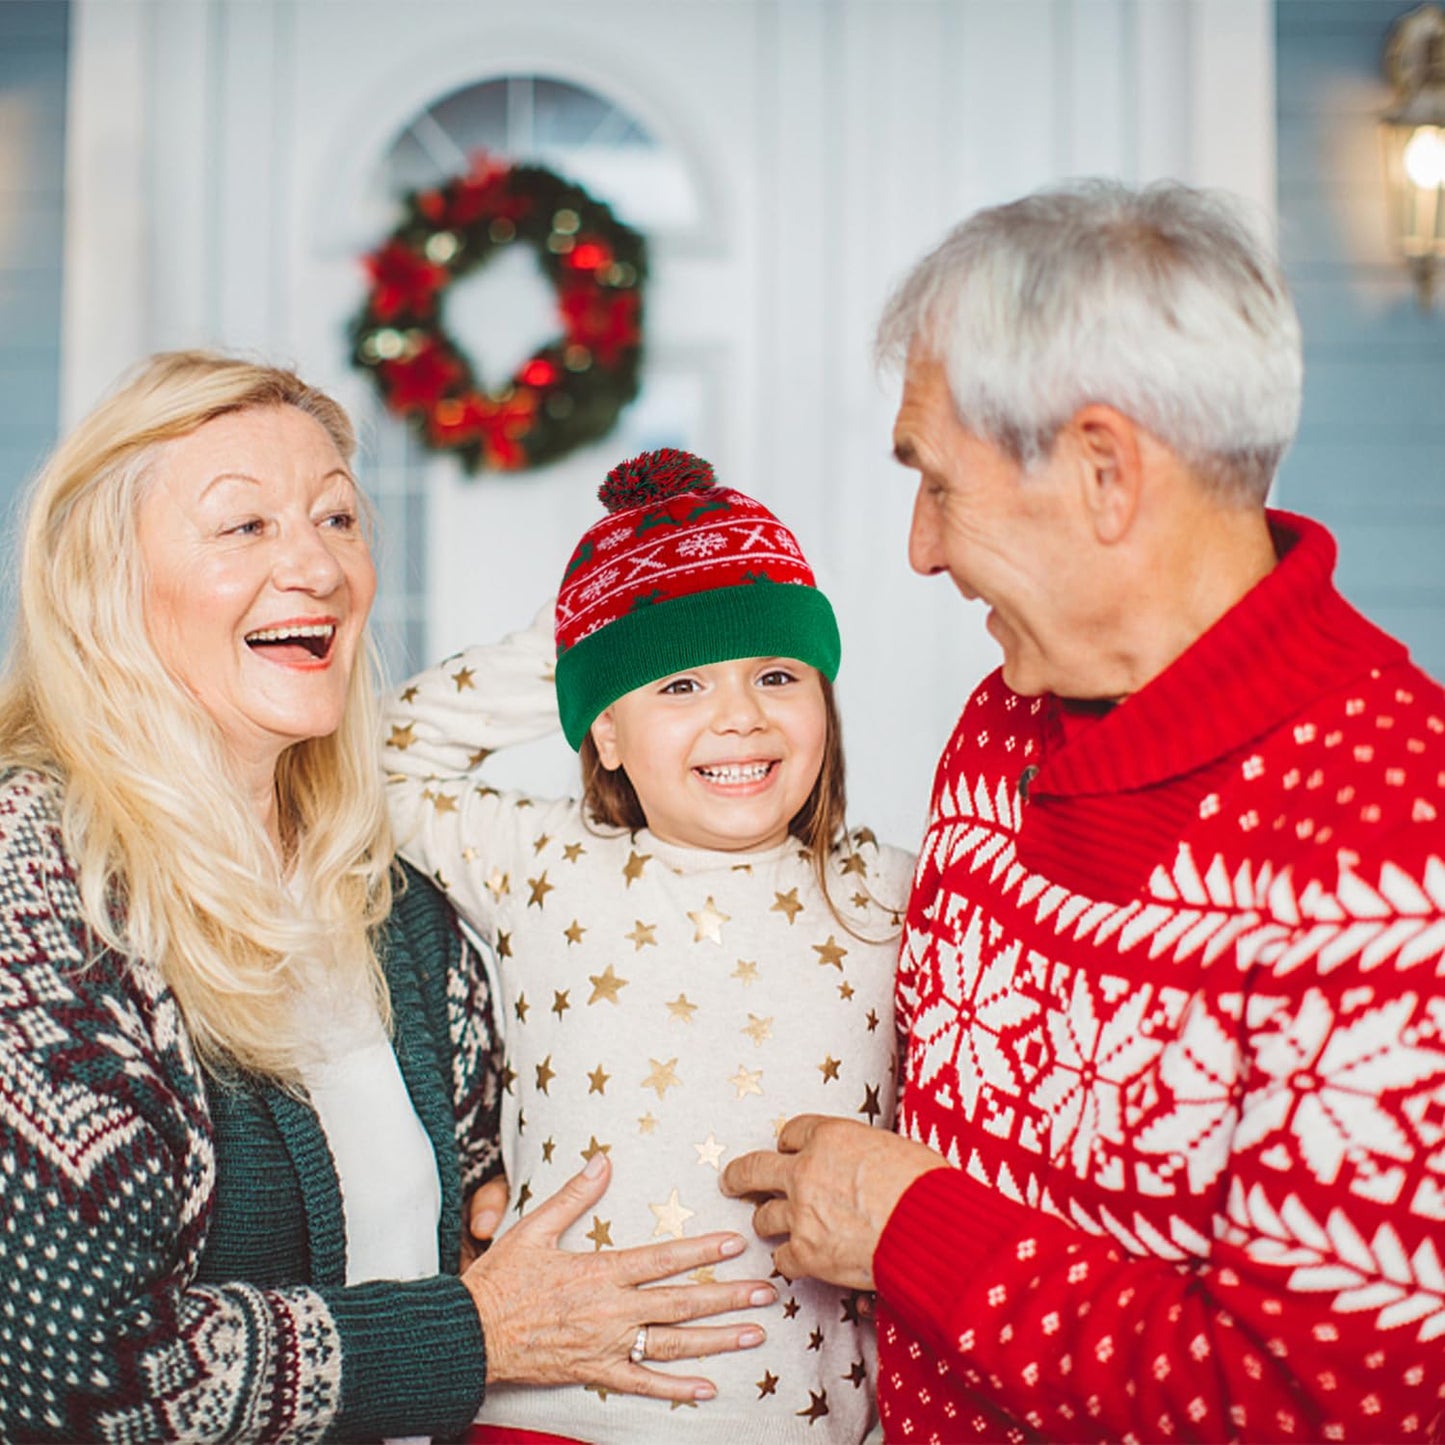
(1289, 641)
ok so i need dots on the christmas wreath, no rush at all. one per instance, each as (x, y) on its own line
(568, 393)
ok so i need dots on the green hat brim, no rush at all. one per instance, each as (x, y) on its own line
(762, 619)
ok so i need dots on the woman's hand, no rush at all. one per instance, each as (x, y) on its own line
(550, 1317)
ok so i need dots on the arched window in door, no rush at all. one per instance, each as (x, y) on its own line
(506, 310)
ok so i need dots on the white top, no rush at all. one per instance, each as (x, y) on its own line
(671, 1006)
(390, 1192)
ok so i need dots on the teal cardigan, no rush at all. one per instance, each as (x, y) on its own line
(174, 1261)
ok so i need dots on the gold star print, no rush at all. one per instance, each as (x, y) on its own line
(830, 955)
(549, 1147)
(594, 1148)
(709, 920)
(601, 1391)
(597, 1081)
(787, 903)
(477, 757)
(758, 1030)
(861, 900)
(873, 1020)
(704, 1274)
(710, 1152)
(636, 862)
(401, 737)
(791, 1308)
(746, 972)
(572, 851)
(817, 1406)
(858, 1375)
(854, 863)
(768, 1385)
(778, 1124)
(573, 932)
(828, 1068)
(523, 1195)
(681, 1405)
(745, 1081)
(504, 944)
(663, 1077)
(605, 985)
(520, 1008)
(463, 678)
(521, 1121)
(680, 1008)
(545, 1074)
(850, 1303)
(845, 991)
(540, 889)
(865, 835)
(508, 1078)
(815, 1340)
(560, 1004)
(671, 1216)
(540, 842)
(870, 1104)
(498, 883)
(600, 1234)
(444, 803)
(409, 693)
(469, 854)
(647, 1124)
(642, 934)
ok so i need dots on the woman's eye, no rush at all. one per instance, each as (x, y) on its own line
(251, 527)
(342, 521)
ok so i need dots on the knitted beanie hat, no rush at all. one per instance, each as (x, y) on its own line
(678, 574)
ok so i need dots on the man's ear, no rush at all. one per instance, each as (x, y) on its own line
(1111, 472)
(604, 736)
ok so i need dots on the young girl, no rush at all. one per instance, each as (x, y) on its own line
(696, 951)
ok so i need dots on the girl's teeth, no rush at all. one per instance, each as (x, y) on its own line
(750, 774)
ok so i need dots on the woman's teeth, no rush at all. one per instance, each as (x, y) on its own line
(736, 772)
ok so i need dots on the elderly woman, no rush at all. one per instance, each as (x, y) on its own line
(247, 1069)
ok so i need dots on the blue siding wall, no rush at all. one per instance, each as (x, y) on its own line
(32, 200)
(1370, 459)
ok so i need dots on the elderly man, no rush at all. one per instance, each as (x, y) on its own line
(1172, 1153)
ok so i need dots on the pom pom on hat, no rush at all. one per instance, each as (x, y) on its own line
(678, 574)
(654, 476)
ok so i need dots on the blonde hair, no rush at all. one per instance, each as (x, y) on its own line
(173, 863)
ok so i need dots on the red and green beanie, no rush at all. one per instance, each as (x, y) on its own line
(680, 572)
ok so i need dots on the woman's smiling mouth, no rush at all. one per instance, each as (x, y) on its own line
(294, 642)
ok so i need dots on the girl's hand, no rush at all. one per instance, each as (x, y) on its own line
(483, 1211)
(550, 1317)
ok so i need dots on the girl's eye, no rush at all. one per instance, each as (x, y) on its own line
(777, 677)
(680, 686)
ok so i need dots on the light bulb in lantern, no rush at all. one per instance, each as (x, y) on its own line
(1424, 158)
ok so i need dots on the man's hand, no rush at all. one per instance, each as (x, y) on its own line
(831, 1187)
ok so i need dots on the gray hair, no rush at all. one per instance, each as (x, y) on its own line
(1161, 302)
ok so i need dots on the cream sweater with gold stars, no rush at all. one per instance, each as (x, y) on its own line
(669, 1005)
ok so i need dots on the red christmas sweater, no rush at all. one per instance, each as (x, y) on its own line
(1174, 1013)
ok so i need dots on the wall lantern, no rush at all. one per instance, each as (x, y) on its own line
(1413, 131)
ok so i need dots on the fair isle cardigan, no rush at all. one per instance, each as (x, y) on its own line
(172, 1251)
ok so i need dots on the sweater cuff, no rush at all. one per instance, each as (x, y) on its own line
(939, 1234)
(413, 1361)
